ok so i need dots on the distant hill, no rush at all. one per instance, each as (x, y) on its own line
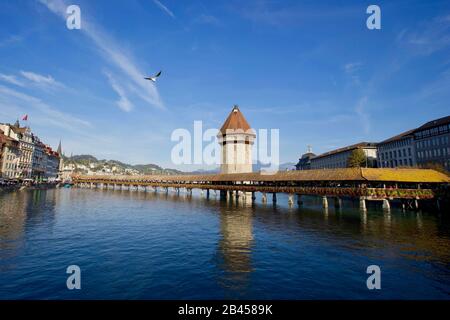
(201, 171)
(256, 168)
(282, 167)
(86, 163)
(82, 158)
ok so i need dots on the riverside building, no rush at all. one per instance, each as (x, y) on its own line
(339, 158)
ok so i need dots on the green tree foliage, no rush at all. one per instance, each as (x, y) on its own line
(357, 159)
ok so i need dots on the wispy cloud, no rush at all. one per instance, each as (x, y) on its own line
(123, 102)
(364, 118)
(114, 54)
(52, 116)
(41, 80)
(32, 79)
(164, 8)
(11, 79)
(352, 67)
(429, 37)
(207, 19)
(276, 14)
(352, 70)
(10, 40)
(334, 119)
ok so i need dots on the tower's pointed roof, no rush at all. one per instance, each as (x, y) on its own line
(59, 148)
(235, 121)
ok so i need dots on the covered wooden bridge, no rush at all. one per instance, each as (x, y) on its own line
(362, 183)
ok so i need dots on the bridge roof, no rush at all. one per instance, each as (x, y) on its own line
(345, 174)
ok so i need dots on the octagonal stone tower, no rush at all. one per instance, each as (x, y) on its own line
(236, 138)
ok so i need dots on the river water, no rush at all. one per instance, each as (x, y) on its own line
(146, 245)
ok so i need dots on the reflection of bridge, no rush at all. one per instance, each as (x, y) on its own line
(363, 183)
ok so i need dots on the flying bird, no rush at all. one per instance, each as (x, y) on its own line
(154, 77)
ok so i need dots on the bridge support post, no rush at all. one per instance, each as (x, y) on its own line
(386, 204)
(274, 197)
(223, 195)
(207, 193)
(362, 204)
(253, 196)
(416, 204)
(264, 197)
(237, 195)
(291, 199)
(299, 199)
(337, 202)
(324, 202)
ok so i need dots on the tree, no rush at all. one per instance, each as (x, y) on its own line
(357, 159)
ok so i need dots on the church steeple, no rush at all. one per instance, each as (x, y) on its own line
(59, 150)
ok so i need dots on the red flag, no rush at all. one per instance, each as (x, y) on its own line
(25, 117)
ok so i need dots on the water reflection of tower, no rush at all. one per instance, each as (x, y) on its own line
(235, 246)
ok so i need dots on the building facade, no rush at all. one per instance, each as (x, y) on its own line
(432, 143)
(26, 148)
(425, 146)
(398, 151)
(38, 165)
(304, 163)
(24, 156)
(339, 158)
(51, 164)
(9, 156)
(236, 139)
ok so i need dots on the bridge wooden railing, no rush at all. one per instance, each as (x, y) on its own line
(337, 191)
(369, 193)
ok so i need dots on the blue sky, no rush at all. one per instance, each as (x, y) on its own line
(309, 68)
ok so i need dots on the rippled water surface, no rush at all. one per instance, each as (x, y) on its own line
(137, 245)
